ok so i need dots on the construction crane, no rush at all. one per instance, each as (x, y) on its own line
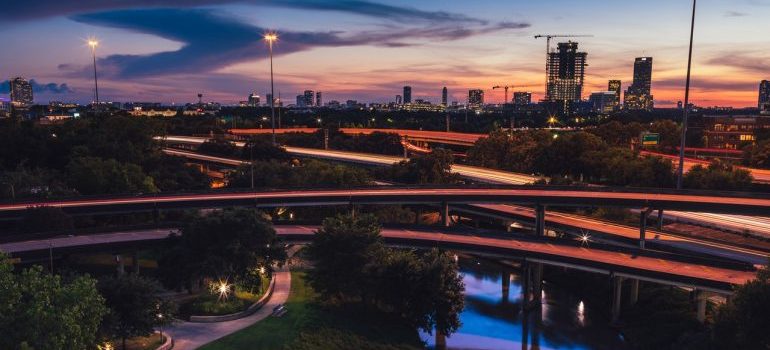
(506, 87)
(548, 49)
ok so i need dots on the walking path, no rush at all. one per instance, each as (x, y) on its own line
(190, 335)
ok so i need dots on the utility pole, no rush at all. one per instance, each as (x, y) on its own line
(680, 171)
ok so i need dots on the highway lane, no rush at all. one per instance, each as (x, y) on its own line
(736, 223)
(649, 267)
(453, 138)
(594, 226)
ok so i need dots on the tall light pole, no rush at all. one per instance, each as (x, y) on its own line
(93, 43)
(686, 103)
(271, 38)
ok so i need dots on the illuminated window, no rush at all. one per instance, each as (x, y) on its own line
(747, 137)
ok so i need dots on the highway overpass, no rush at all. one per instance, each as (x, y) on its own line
(617, 262)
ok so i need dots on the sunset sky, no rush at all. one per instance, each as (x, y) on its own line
(368, 50)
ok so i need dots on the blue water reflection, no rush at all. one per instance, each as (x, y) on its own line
(491, 321)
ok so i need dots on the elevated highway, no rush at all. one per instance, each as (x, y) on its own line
(641, 265)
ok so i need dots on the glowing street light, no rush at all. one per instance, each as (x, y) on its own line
(222, 288)
(93, 43)
(585, 238)
(271, 38)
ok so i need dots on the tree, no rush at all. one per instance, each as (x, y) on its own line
(91, 175)
(565, 156)
(341, 252)
(218, 147)
(222, 244)
(433, 168)
(743, 322)
(45, 312)
(516, 153)
(134, 307)
(262, 149)
(758, 155)
(444, 290)
(670, 134)
(312, 173)
(718, 177)
(173, 174)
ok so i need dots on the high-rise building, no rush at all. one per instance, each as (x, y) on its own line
(21, 92)
(444, 96)
(639, 96)
(309, 98)
(615, 86)
(253, 100)
(398, 100)
(268, 98)
(407, 94)
(522, 98)
(318, 101)
(764, 96)
(566, 71)
(602, 101)
(301, 101)
(475, 98)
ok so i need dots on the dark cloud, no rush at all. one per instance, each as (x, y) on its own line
(212, 40)
(706, 84)
(43, 88)
(742, 61)
(14, 10)
(734, 14)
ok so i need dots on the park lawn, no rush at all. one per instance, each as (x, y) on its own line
(308, 325)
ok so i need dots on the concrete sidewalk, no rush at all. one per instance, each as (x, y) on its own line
(189, 335)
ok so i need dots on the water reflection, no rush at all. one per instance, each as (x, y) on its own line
(492, 319)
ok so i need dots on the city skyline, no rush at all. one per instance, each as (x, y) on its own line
(385, 47)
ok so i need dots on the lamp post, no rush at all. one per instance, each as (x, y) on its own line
(271, 38)
(686, 103)
(93, 43)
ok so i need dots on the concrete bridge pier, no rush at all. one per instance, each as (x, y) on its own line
(121, 265)
(445, 219)
(537, 284)
(506, 286)
(617, 288)
(660, 219)
(135, 260)
(633, 291)
(525, 286)
(540, 220)
(701, 300)
(643, 215)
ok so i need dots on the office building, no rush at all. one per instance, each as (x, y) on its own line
(301, 101)
(475, 98)
(615, 86)
(733, 131)
(444, 96)
(522, 98)
(602, 101)
(268, 98)
(308, 98)
(253, 100)
(764, 96)
(318, 101)
(21, 92)
(407, 94)
(639, 96)
(566, 71)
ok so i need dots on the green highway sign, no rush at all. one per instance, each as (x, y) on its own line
(650, 139)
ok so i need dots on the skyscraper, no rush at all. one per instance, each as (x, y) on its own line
(602, 101)
(522, 98)
(476, 98)
(407, 94)
(615, 86)
(21, 92)
(764, 96)
(638, 96)
(318, 101)
(308, 98)
(253, 100)
(566, 71)
(444, 96)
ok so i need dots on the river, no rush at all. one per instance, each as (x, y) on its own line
(490, 322)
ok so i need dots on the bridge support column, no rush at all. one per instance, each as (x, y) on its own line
(525, 286)
(633, 292)
(135, 260)
(617, 284)
(506, 286)
(701, 298)
(643, 215)
(537, 284)
(445, 219)
(540, 220)
(121, 265)
(660, 219)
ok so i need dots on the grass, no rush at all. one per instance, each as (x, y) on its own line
(309, 325)
(209, 304)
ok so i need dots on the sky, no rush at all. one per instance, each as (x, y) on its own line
(169, 51)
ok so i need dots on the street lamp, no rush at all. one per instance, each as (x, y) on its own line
(93, 43)
(271, 38)
(686, 103)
